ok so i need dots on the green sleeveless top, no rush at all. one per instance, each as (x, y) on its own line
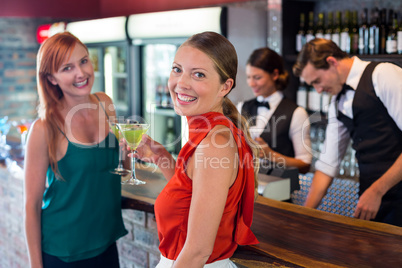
(81, 213)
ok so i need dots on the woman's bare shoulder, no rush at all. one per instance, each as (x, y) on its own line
(106, 101)
(220, 137)
(38, 132)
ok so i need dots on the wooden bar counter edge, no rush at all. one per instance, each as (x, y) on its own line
(294, 236)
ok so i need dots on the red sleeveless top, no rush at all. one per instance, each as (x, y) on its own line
(173, 203)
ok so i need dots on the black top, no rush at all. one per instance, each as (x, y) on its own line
(376, 138)
(276, 132)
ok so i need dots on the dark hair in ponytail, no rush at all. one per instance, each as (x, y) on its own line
(269, 61)
(224, 57)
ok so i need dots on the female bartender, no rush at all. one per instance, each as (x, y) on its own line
(276, 123)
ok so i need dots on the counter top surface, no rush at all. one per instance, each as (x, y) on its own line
(149, 191)
(295, 236)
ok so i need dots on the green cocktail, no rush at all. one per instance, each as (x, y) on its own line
(116, 131)
(119, 170)
(132, 133)
(133, 136)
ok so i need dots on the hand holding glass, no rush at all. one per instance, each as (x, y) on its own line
(132, 133)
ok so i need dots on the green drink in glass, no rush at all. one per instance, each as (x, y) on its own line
(132, 133)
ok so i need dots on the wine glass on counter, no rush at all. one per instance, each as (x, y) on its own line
(119, 170)
(132, 131)
(23, 126)
(4, 129)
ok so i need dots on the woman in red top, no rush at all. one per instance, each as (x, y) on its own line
(206, 208)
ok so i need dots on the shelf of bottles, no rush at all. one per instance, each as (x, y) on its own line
(160, 113)
(376, 33)
(158, 107)
(372, 34)
(317, 106)
(111, 76)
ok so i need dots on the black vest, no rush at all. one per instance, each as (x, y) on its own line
(276, 132)
(376, 137)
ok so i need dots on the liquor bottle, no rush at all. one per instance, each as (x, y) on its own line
(310, 28)
(319, 31)
(325, 101)
(399, 38)
(374, 33)
(329, 26)
(337, 29)
(301, 34)
(165, 94)
(313, 100)
(384, 28)
(345, 38)
(354, 34)
(392, 42)
(158, 91)
(170, 137)
(302, 95)
(364, 33)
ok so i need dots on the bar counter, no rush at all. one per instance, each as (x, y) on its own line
(295, 236)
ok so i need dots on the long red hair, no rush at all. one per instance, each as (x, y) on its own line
(51, 56)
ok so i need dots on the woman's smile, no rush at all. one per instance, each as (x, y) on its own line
(81, 84)
(185, 98)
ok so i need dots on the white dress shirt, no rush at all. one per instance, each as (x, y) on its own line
(299, 130)
(387, 81)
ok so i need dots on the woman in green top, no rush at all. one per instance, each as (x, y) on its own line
(72, 203)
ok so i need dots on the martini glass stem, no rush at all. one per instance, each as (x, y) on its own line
(120, 170)
(120, 165)
(133, 179)
(133, 166)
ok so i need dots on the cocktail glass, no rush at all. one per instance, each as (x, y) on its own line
(4, 129)
(23, 127)
(132, 132)
(119, 170)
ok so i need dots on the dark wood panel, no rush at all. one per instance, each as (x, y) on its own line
(295, 236)
(314, 238)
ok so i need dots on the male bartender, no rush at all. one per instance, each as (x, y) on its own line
(366, 108)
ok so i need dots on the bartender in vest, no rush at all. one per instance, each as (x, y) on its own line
(365, 107)
(276, 123)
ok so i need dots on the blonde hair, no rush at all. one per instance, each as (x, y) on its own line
(224, 56)
(51, 56)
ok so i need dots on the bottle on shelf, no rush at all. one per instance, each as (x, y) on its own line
(310, 29)
(364, 33)
(329, 26)
(399, 38)
(345, 38)
(337, 29)
(121, 67)
(313, 100)
(302, 95)
(384, 29)
(170, 137)
(374, 33)
(319, 31)
(392, 42)
(325, 101)
(301, 34)
(158, 91)
(165, 94)
(354, 34)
